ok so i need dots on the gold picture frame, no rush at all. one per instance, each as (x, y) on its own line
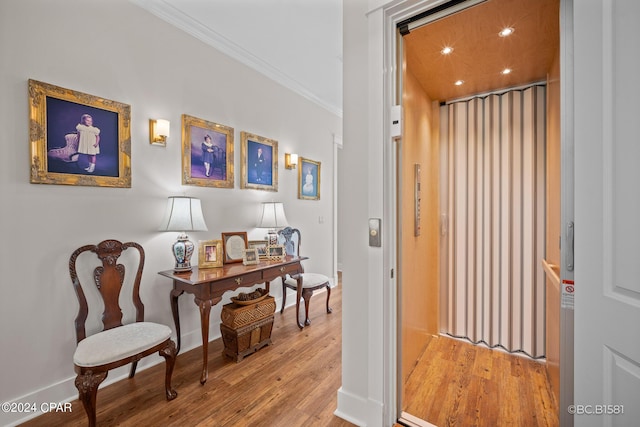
(207, 153)
(308, 179)
(259, 166)
(210, 253)
(63, 125)
(234, 244)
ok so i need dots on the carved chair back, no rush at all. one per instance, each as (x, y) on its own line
(108, 279)
(291, 239)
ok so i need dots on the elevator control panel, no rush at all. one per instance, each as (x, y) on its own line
(375, 239)
(417, 199)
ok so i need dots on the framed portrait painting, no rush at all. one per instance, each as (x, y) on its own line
(78, 139)
(308, 179)
(207, 153)
(259, 162)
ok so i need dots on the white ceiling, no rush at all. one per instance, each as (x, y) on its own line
(297, 43)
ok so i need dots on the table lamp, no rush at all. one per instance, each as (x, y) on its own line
(272, 217)
(183, 214)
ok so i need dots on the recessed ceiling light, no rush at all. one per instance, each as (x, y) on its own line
(506, 71)
(506, 32)
(459, 82)
(446, 50)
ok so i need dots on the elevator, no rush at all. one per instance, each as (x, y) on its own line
(479, 168)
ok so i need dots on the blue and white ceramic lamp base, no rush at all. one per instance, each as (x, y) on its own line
(182, 251)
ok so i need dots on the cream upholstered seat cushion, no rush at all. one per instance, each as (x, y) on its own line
(309, 280)
(118, 343)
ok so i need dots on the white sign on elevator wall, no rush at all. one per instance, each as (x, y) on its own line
(568, 294)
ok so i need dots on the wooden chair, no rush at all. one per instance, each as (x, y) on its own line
(117, 344)
(305, 283)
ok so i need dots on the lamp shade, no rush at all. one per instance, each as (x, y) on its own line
(183, 214)
(163, 127)
(272, 216)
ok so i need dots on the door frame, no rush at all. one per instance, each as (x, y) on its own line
(393, 13)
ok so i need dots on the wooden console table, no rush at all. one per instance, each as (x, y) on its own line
(208, 285)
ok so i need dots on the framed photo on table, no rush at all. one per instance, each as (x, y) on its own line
(308, 179)
(276, 252)
(234, 245)
(250, 257)
(207, 153)
(260, 246)
(210, 253)
(259, 162)
(77, 138)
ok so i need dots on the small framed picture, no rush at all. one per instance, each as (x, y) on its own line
(259, 165)
(308, 179)
(207, 153)
(77, 138)
(276, 252)
(210, 253)
(260, 246)
(234, 245)
(250, 256)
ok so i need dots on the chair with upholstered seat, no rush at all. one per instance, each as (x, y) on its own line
(117, 344)
(305, 283)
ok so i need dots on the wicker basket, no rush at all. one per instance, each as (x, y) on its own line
(246, 328)
(236, 316)
(241, 342)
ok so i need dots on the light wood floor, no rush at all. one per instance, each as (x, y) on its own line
(293, 382)
(456, 383)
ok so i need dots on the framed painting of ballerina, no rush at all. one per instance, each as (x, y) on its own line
(207, 153)
(78, 139)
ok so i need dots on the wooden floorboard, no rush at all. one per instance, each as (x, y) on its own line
(293, 382)
(456, 383)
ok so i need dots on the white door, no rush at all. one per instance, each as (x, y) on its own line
(607, 212)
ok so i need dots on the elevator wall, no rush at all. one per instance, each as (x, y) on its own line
(418, 260)
(552, 255)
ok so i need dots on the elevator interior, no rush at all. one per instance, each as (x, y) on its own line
(478, 63)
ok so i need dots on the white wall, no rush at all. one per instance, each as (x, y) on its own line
(360, 399)
(114, 49)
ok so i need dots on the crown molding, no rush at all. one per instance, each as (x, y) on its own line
(179, 19)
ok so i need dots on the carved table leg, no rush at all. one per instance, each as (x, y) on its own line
(176, 317)
(284, 295)
(87, 384)
(205, 310)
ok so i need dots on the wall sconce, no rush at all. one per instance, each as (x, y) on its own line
(158, 131)
(290, 160)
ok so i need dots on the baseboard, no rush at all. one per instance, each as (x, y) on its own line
(351, 408)
(413, 421)
(65, 391)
